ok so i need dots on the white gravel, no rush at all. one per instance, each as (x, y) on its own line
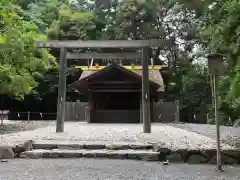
(18, 126)
(165, 134)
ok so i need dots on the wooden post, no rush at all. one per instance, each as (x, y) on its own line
(61, 91)
(216, 111)
(145, 93)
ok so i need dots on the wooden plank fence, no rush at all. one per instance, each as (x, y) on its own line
(112, 116)
(165, 112)
(76, 111)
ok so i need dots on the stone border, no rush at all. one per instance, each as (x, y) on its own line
(146, 155)
(230, 157)
(180, 156)
(92, 145)
(31, 149)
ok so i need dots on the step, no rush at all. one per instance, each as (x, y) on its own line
(78, 145)
(147, 155)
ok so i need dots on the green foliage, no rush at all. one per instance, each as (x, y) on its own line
(222, 35)
(20, 61)
(196, 27)
(43, 12)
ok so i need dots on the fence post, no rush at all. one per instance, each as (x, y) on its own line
(28, 116)
(177, 118)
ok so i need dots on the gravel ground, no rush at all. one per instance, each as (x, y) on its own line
(168, 135)
(90, 169)
(18, 126)
(229, 135)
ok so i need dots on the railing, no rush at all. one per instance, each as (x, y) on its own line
(112, 116)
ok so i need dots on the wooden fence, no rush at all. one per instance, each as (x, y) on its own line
(166, 112)
(76, 111)
(116, 116)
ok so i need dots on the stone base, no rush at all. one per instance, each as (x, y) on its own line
(117, 150)
(146, 155)
(6, 152)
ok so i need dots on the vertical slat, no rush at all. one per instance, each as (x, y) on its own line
(78, 111)
(67, 111)
(74, 111)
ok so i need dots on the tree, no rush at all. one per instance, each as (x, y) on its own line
(20, 61)
(220, 32)
(195, 27)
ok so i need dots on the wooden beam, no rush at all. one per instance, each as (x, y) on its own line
(96, 68)
(115, 82)
(61, 91)
(145, 93)
(104, 43)
(95, 55)
(116, 90)
(115, 86)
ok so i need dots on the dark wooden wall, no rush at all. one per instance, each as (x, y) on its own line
(163, 112)
(76, 111)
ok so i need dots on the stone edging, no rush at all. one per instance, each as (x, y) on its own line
(121, 151)
(199, 156)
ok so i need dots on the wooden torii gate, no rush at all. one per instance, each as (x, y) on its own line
(137, 44)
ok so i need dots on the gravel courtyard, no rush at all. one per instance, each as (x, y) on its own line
(174, 136)
(107, 169)
(18, 126)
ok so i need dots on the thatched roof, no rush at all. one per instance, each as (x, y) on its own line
(154, 75)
